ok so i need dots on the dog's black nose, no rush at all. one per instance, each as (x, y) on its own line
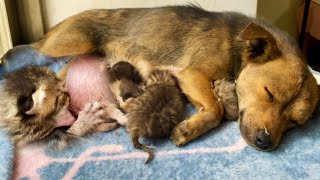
(263, 140)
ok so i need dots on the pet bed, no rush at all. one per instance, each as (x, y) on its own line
(219, 154)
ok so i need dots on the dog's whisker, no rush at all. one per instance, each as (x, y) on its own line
(266, 131)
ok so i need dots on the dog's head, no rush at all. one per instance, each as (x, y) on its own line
(275, 89)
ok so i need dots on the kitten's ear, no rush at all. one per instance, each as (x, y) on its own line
(260, 45)
(37, 101)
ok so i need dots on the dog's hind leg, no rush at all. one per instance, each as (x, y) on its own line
(62, 43)
(64, 40)
(198, 88)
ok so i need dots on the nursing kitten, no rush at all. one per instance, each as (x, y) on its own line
(34, 107)
(124, 70)
(156, 111)
(126, 82)
(226, 91)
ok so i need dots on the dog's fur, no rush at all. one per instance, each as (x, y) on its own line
(275, 89)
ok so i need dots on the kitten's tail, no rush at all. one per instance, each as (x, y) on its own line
(138, 145)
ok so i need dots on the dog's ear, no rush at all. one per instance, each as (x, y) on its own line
(260, 45)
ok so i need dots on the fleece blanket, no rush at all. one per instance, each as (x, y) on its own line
(219, 154)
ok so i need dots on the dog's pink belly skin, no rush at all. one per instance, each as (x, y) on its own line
(88, 81)
(64, 118)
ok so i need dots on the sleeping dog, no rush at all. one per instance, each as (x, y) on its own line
(275, 89)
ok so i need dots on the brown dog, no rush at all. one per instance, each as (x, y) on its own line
(275, 89)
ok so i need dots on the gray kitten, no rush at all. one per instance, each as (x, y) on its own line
(226, 91)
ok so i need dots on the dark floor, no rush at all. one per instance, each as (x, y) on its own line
(312, 51)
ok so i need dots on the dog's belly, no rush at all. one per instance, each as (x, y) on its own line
(87, 81)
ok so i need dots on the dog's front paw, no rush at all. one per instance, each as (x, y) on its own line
(182, 133)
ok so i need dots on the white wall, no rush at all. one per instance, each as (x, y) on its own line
(5, 36)
(57, 10)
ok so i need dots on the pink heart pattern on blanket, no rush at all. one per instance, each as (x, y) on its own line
(31, 159)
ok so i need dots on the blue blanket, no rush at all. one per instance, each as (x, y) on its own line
(219, 154)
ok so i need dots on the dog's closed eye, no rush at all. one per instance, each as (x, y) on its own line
(270, 96)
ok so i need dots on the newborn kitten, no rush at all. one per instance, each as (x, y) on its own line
(34, 107)
(32, 100)
(226, 91)
(124, 70)
(126, 82)
(155, 112)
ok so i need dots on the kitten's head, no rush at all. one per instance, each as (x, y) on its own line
(129, 89)
(33, 103)
(125, 70)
